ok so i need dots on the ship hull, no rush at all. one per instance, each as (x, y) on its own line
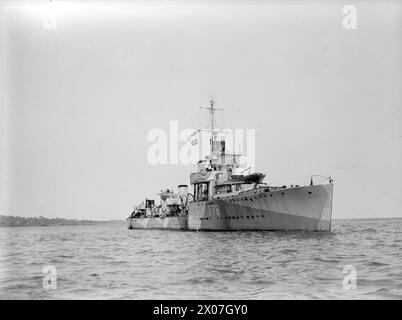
(300, 208)
(173, 223)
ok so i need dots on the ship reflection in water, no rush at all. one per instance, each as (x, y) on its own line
(224, 198)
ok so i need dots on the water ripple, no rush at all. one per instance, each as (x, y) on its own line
(111, 262)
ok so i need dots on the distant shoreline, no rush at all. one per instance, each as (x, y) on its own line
(377, 218)
(15, 221)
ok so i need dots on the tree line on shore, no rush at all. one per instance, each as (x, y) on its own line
(14, 221)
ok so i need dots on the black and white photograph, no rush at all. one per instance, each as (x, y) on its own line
(201, 150)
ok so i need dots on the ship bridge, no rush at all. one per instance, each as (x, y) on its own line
(219, 171)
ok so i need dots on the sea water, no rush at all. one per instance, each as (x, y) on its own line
(358, 259)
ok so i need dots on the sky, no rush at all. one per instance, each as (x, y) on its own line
(82, 85)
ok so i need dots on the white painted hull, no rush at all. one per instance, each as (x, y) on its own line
(177, 223)
(300, 208)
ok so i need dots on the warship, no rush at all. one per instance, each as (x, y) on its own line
(224, 198)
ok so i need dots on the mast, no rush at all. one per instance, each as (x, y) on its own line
(212, 123)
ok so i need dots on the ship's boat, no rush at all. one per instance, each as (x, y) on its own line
(256, 177)
(224, 198)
